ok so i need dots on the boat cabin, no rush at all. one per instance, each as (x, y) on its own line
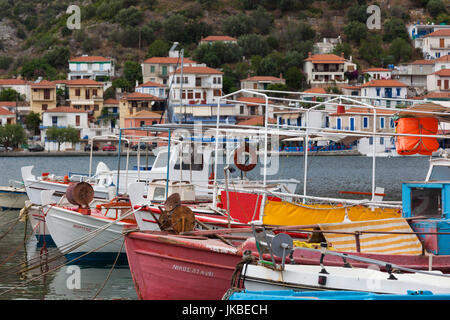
(429, 201)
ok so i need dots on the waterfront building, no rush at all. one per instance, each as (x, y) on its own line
(87, 95)
(327, 70)
(43, 96)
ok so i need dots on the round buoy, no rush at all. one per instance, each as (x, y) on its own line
(253, 157)
(173, 201)
(80, 194)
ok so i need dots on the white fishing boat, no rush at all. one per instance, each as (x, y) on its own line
(36, 216)
(268, 275)
(13, 197)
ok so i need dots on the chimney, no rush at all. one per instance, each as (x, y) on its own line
(281, 76)
(342, 54)
(309, 54)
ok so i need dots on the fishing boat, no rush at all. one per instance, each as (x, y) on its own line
(89, 234)
(269, 275)
(172, 267)
(332, 295)
(13, 197)
(36, 216)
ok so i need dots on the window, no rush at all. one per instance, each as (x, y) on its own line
(164, 70)
(392, 123)
(46, 94)
(77, 121)
(378, 92)
(94, 92)
(96, 108)
(178, 80)
(198, 95)
(217, 93)
(77, 92)
(190, 94)
(371, 140)
(152, 69)
(101, 66)
(381, 140)
(365, 122)
(381, 123)
(142, 123)
(339, 123)
(87, 94)
(54, 121)
(398, 92)
(241, 109)
(44, 107)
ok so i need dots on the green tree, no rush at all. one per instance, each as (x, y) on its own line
(355, 31)
(252, 44)
(218, 53)
(394, 28)
(57, 57)
(262, 20)
(295, 79)
(5, 62)
(343, 48)
(371, 50)
(61, 135)
(32, 122)
(400, 50)
(131, 16)
(10, 94)
(132, 72)
(358, 13)
(237, 25)
(123, 84)
(174, 28)
(37, 67)
(158, 48)
(436, 7)
(12, 135)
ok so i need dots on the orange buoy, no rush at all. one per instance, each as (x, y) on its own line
(253, 158)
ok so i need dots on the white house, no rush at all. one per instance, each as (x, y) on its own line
(6, 116)
(414, 74)
(325, 70)
(153, 88)
(377, 74)
(376, 89)
(439, 81)
(91, 67)
(417, 31)
(20, 85)
(260, 83)
(436, 44)
(63, 117)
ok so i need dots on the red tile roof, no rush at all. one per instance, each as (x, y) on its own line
(198, 70)
(439, 33)
(6, 112)
(150, 84)
(44, 84)
(253, 100)
(263, 78)
(256, 121)
(384, 83)
(377, 70)
(325, 58)
(8, 103)
(167, 60)
(315, 90)
(436, 95)
(65, 109)
(110, 101)
(83, 82)
(443, 73)
(145, 114)
(13, 82)
(89, 59)
(423, 62)
(141, 96)
(445, 58)
(219, 38)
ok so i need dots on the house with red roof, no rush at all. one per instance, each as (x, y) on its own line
(377, 90)
(376, 74)
(260, 83)
(326, 70)
(414, 74)
(132, 103)
(439, 81)
(87, 95)
(43, 96)
(158, 69)
(214, 39)
(154, 88)
(6, 116)
(20, 85)
(436, 44)
(91, 67)
(140, 119)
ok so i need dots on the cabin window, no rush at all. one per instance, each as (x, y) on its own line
(440, 173)
(426, 202)
(192, 161)
(159, 194)
(161, 160)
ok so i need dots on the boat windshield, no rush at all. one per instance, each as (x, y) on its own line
(161, 160)
(426, 202)
(440, 173)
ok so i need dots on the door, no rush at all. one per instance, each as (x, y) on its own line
(441, 42)
(446, 84)
(339, 123)
(352, 124)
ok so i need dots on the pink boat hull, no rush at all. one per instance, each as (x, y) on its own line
(167, 267)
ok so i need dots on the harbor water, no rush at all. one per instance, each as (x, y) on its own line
(327, 175)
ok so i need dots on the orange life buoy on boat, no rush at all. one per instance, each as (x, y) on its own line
(253, 157)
